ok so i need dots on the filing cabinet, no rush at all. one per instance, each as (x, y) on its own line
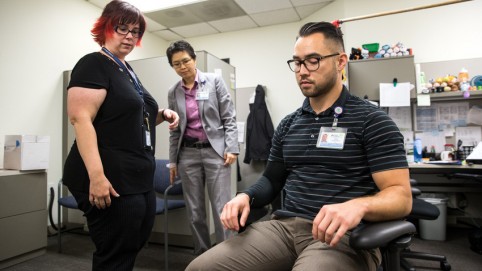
(23, 215)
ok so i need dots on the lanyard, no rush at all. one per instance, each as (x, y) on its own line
(338, 110)
(131, 73)
(145, 126)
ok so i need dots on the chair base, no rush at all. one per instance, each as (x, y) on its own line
(408, 254)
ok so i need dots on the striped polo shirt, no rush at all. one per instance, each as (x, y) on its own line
(319, 176)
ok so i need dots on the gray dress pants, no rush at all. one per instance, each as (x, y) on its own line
(284, 244)
(199, 168)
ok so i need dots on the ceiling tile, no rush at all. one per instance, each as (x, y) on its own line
(233, 24)
(252, 6)
(275, 17)
(173, 17)
(194, 30)
(298, 3)
(153, 25)
(167, 35)
(216, 10)
(305, 11)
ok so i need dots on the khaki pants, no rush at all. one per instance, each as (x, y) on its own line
(284, 244)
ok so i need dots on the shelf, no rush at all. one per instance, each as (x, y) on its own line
(450, 96)
(454, 95)
(381, 59)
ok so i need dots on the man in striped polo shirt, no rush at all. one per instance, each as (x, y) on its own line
(337, 160)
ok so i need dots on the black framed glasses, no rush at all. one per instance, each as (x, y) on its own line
(124, 30)
(181, 62)
(311, 63)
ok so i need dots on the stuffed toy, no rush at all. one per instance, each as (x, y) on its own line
(356, 53)
(364, 53)
(392, 51)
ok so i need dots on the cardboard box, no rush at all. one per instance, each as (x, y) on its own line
(26, 152)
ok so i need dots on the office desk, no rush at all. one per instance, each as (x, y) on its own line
(463, 193)
(443, 178)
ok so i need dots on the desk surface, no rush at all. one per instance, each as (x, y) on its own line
(444, 169)
(447, 178)
(9, 172)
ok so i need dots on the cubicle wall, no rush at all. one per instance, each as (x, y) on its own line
(365, 76)
(249, 173)
(440, 68)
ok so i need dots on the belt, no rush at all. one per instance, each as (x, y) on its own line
(197, 145)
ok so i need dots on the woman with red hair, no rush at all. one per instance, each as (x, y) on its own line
(111, 164)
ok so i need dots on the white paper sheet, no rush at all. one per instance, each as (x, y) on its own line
(402, 116)
(241, 132)
(441, 116)
(476, 153)
(423, 100)
(391, 95)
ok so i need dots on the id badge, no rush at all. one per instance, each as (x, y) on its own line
(332, 138)
(148, 139)
(202, 95)
(147, 133)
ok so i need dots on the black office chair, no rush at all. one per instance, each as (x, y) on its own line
(391, 237)
(422, 210)
(170, 201)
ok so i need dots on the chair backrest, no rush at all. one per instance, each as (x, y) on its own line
(161, 178)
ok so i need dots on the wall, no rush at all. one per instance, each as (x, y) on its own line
(435, 34)
(41, 39)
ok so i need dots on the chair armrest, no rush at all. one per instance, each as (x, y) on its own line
(416, 191)
(379, 234)
(422, 209)
(413, 182)
(166, 192)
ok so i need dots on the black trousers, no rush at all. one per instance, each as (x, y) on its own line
(120, 231)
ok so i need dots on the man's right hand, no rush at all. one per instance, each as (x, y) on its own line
(232, 209)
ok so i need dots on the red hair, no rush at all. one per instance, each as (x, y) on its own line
(116, 13)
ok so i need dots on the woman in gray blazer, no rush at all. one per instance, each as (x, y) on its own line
(205, 143)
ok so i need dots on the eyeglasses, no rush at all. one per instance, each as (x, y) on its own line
(178, 64)
(311, 63)
(124, 30)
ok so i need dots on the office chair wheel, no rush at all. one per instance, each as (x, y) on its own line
(445, 266)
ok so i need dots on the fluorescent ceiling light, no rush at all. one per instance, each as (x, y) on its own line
(149, 5)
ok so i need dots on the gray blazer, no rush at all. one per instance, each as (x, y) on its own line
(217, 113)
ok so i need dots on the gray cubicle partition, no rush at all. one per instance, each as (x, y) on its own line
(249, 172)
(452, 67)
(365, 76)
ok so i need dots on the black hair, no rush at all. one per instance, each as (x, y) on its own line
(179, 46)
(330, 31)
